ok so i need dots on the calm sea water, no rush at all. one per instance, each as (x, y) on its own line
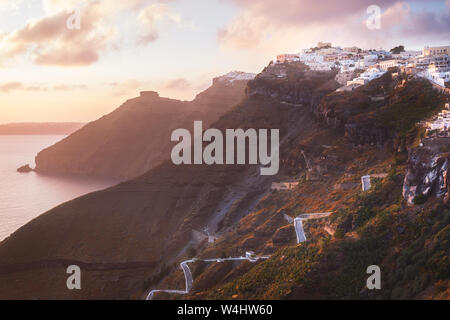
(24, 196)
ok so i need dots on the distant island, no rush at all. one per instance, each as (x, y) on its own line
(33, 128)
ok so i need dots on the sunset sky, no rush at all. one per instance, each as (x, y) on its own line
(49, 72)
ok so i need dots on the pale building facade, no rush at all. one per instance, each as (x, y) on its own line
(283, 186)
(385, 65)
(433, 51)
(287, 57)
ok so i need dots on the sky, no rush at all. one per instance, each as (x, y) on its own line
(77, 60)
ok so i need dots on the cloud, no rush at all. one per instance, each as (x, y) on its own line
(303, 12)
(9, 86)
(15, 85)
(49, 40)
(126, 87)
(244, 31)
(259, 24)
(67, 87)
(178, 84)
(149, 18)
(10, 5)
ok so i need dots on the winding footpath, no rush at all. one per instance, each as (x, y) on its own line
(188, 275)
(298, 225)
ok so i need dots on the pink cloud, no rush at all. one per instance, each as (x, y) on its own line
(150, 17)
(51, 42)
(266, 24)
(126, 87)
(15, 85)
(178, 84)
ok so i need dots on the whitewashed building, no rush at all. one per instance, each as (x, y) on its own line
(365, 183)
(432, 51)
(442, 121)
(287, 57)
(386, 64)
(366, 77)
(283, 186)
(438, 75)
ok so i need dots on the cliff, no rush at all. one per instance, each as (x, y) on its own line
(136, 137)
(136, 233)
(428, 172)
(150, 218)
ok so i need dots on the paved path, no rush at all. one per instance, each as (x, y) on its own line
(298, 223)
(188, 275)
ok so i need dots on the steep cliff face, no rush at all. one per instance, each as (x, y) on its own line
(353, 112)
(383, 111)
(428, 172)
(292, 83)
(130, 238)
(136, 137)
(148, 219)
(373, 227)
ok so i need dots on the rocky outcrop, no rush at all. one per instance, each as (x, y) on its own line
(364, 133)
(428, 173)
(352, 112)
(25, 169)
(292, 83)
(137, 136)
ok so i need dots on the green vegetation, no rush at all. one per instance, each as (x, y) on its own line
(273, 278)
(418, 101)
(340, 233)
(420, 199)
(197, 267)
(165, 270)
(398, 49)
(337, 269)
(410, 246)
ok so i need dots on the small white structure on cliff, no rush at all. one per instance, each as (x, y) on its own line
(365, 182)
(442, 122)
(283, 186)
(366, 77)
(437, 74)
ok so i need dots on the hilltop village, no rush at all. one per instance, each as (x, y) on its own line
(357, 67)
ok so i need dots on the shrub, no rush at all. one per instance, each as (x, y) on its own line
(363, 215)
(191, 252)
(420, 199)
(339, 234)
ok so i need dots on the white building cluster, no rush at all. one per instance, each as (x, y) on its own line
(434, 65)
(441, 123)
(357, 67)
(366, 77)
(438, 74)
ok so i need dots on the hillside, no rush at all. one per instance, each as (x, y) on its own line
(130, 238)
(409, 242)
(136, 136)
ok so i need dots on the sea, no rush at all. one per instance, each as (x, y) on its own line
(25, 196)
